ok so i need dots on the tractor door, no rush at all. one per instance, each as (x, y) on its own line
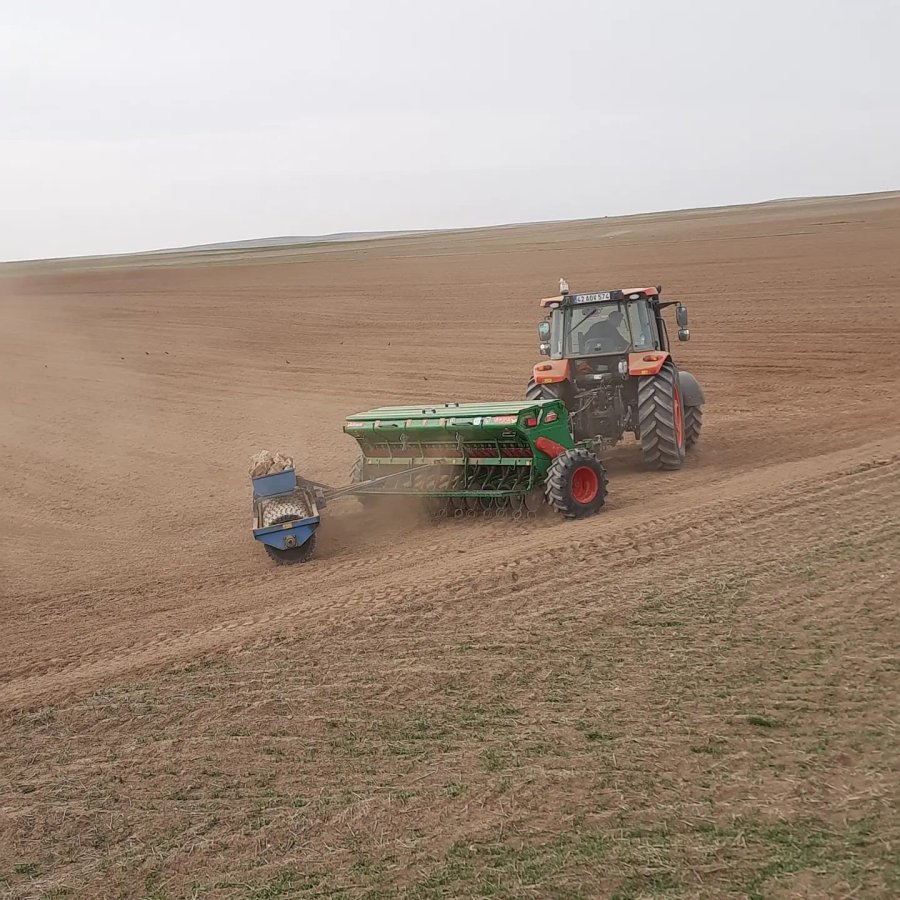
(557, 334)
(644, 321)
(660, 326)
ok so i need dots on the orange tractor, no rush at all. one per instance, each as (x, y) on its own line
(609, 361)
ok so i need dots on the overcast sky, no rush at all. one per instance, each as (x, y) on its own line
(130, 125)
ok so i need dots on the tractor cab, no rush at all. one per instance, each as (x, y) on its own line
(606, 350)
(607, 324)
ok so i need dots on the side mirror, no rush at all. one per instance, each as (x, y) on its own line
(544, 349)
(684, 334)
(544, 331)
(681, 316)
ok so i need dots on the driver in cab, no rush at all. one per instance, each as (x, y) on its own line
(607, 335)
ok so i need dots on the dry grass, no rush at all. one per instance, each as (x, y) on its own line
(717, 723)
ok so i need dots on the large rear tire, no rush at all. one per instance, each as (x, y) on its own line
(661, 422)
(576, 484)
(561, 390)
(693, 422)
(535, 391)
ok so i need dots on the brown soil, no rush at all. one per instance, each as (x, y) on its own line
(693, 692)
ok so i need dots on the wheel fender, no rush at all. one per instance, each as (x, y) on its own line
(552, 371)
(691, 392)
(647, 363)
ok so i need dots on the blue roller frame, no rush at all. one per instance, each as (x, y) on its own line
(278, 536)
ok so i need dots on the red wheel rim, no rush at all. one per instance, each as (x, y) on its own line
(679, 418)
(585, 484)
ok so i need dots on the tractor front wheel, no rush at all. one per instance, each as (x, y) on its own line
(576, 484)
(661, 420)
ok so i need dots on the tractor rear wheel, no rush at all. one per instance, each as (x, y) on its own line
(561, 390)
(536, 391)
(693, 422)
(292, 555)
(661, 419)
(576, 484)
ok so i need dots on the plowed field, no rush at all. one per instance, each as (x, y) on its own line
(695, 692)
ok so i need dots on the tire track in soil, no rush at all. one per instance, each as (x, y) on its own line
(735, 514)
(136, 390)
(632, 551)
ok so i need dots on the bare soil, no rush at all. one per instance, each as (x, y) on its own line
(694, 693)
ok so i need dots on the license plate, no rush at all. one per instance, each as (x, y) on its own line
(591, 298)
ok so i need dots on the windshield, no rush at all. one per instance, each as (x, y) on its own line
(598, 328)
(607, 328)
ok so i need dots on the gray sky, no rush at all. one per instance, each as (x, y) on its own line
(131, 125)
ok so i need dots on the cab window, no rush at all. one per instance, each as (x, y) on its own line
(643, 331)
(596, 329)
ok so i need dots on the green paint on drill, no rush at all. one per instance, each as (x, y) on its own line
(484, 450)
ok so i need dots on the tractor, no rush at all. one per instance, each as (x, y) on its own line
(608, 371)
(609, 361)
